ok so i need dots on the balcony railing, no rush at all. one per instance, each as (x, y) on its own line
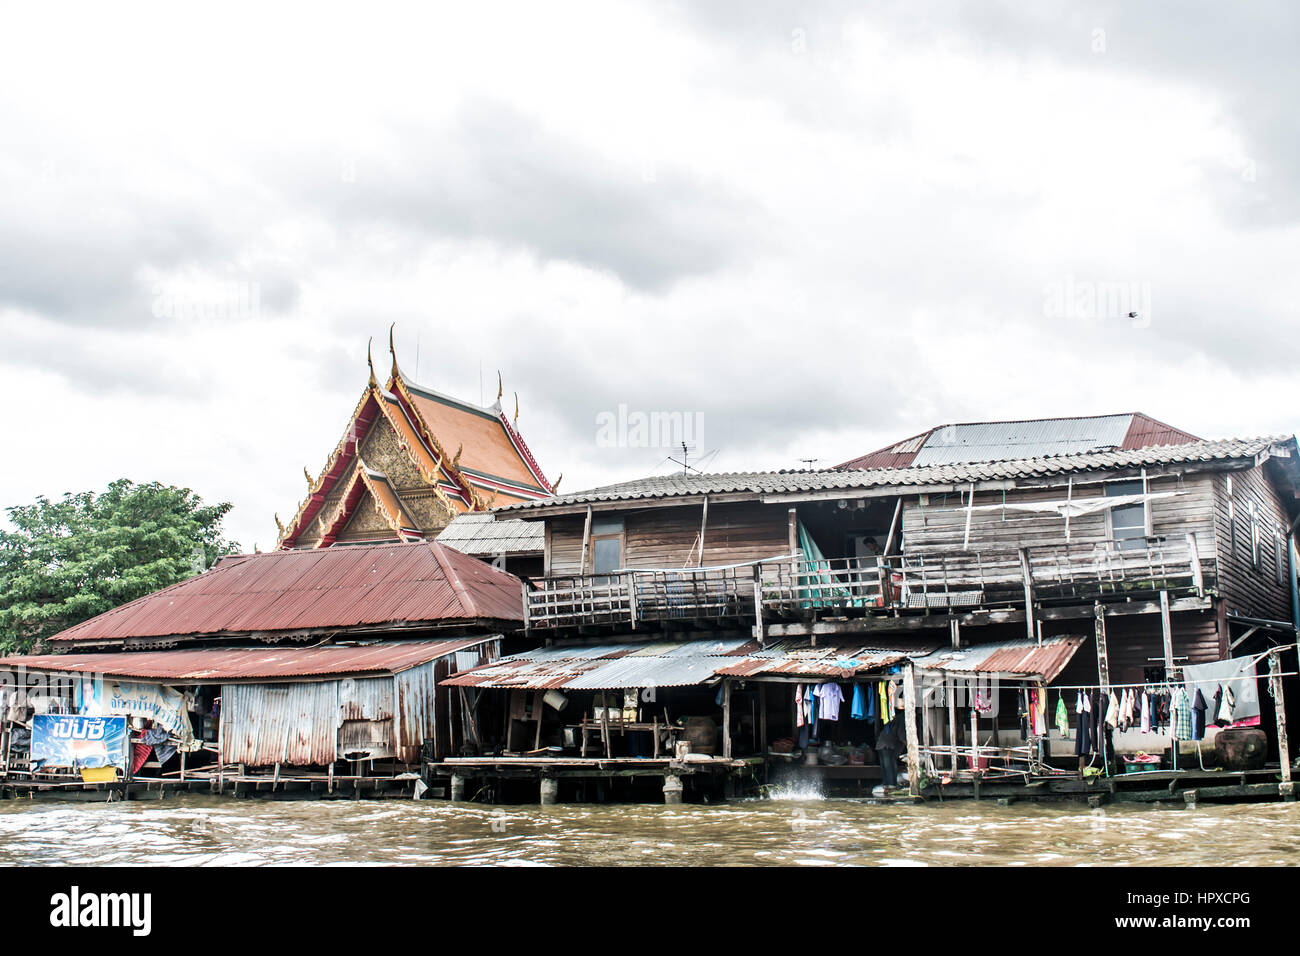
(795, 586)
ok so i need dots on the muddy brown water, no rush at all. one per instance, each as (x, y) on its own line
(191, 830)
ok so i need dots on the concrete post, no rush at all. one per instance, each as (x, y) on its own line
(550, 791)
(457, 787)
(672, 790)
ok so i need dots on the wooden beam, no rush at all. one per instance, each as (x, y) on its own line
(913, 745)
(893, 526)
(952, 720)
(1103, 652)
(794, 530)
(930, 622)
(1167, 632)
(586, 541)
(1279, 706)
(704, 523)
(726, 719)
(1026, 574)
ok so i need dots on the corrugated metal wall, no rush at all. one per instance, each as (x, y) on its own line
(322, 721)
(264, 724)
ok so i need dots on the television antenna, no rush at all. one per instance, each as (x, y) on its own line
(686, 466)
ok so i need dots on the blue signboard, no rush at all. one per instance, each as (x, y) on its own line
(65, 740)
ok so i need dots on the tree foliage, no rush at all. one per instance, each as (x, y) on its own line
(68, 560)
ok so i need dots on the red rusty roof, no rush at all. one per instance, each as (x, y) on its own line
(326, 588)
(242, 663)
(1019, 657)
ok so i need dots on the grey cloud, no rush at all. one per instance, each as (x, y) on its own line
(501, 176)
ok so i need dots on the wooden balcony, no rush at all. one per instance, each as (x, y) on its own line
(794, 587)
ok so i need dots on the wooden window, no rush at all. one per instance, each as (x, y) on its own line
(1128, 523)
(607, 544)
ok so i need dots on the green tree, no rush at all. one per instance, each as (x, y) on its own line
(66, 561)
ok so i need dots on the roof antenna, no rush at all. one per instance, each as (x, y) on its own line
(810, 462)
(685, 466)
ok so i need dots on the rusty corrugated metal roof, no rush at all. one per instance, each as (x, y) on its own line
(681, 663)
(210, 664)
(1022, 657)
(325, 588)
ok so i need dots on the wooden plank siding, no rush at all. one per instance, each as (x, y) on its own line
(669, 537)
(940, 524)
(1246, 589)
(1134, 643)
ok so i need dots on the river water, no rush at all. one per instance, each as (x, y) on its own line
(194, 830)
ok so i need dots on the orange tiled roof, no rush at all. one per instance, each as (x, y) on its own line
(470, 455)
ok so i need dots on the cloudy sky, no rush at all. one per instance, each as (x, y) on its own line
(817, 227)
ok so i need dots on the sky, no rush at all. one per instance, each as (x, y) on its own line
(801, 230)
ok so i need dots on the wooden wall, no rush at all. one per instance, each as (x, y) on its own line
(1246, 589)
(940, 523)
(668, 537)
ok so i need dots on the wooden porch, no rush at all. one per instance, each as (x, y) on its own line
(795, 588)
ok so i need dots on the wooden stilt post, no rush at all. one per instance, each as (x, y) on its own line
(1027, 575)
(913, 745)
(1279, 706)
(951, 688)
(758, 604)
(1103, 652)
(1167, 630)
(726, 719)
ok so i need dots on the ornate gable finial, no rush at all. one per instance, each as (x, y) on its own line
(374, 382)
(311, 482)
(500, 388)
(392, 350)
(279, 524)
(516, 408)
(555, 485)
(455, 461)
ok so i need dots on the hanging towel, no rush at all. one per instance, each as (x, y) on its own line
(1146, 712)
(1062, 717)
(800, 706)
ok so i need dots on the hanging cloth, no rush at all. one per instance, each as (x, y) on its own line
(1225, 709)
(1082, 736)
(1146, 712)
(1062, 717)
(1182, 715)
(831, 697)
(859, 709)
(1198, 716)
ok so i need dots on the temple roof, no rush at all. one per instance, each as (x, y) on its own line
(470, 456)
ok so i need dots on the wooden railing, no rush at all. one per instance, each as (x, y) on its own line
(926, 581)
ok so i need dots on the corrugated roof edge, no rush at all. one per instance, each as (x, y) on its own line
(777, 482)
